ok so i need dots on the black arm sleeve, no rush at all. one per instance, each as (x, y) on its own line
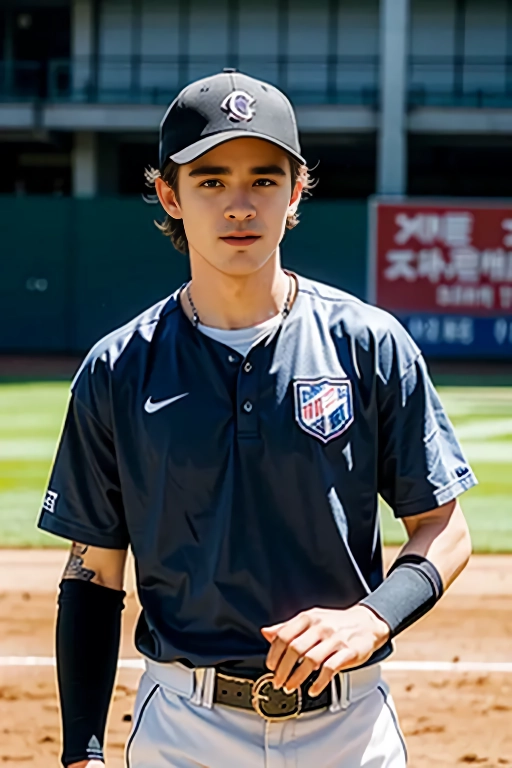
(88, 635)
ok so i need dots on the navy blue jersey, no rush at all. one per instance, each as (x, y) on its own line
(248, 487)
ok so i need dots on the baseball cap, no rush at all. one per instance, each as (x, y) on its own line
(226, 106)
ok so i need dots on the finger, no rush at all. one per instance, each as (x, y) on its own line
(344, 659)
(269, 633)
(299, 675)
(285, 635)
(295, 651)
(313, 659)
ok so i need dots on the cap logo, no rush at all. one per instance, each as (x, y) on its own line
(238, 106)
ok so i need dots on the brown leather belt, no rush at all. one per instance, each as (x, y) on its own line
(260, 696)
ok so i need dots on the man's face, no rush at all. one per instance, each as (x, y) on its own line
(234, 201)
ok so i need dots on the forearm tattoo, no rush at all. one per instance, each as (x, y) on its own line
(75, 566)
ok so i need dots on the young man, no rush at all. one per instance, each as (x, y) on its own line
(236, 436)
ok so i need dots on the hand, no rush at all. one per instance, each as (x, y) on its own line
(327, 639)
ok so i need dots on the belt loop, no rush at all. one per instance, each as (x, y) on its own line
(208, 687)
(197, 696)
(345, 690)
(335, 697)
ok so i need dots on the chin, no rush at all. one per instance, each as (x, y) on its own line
(243, 262)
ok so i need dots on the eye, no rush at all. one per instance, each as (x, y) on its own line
(211, 184)
(264, 183)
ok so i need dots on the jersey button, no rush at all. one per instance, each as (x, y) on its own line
(232, 359)
(248, 367)
(247, 406)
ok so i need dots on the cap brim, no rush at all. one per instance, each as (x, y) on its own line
(189, 154)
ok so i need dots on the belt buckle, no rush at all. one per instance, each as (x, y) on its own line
(286, 705)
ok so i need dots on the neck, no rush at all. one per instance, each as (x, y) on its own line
(236, 301)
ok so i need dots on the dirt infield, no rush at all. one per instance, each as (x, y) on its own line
(449, 719)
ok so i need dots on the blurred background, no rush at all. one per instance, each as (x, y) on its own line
(398, 97)
(405, 114)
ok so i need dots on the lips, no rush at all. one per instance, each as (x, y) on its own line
(247, 238)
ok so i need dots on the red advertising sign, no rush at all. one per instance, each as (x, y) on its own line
(442, 256)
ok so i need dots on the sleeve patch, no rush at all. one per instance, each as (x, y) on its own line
(50, 501)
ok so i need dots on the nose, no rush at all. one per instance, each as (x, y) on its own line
(240, 209)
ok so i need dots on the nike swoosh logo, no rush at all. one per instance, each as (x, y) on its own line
(151, 407)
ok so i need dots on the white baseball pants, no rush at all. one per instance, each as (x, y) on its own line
(176, 725)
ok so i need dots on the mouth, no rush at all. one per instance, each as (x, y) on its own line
(241, 240)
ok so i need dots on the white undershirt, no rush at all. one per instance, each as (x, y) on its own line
(242, 339)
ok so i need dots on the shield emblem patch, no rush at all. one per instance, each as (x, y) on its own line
(323, 407)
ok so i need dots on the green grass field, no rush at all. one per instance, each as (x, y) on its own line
(31, 416)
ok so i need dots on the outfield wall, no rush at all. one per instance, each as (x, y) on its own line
(72, 270)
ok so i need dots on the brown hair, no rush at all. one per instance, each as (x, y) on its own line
(174, 229)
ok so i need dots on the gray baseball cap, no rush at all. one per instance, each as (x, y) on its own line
(223, 107)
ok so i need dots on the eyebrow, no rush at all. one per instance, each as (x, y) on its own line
(220, 170)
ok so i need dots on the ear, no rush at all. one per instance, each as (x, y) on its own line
(296, 196)
(168, 199)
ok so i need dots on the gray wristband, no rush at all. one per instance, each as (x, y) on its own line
(412, 587)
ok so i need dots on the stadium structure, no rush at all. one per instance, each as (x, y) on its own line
(397, 97)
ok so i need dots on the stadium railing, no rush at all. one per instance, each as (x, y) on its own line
(309, 79)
